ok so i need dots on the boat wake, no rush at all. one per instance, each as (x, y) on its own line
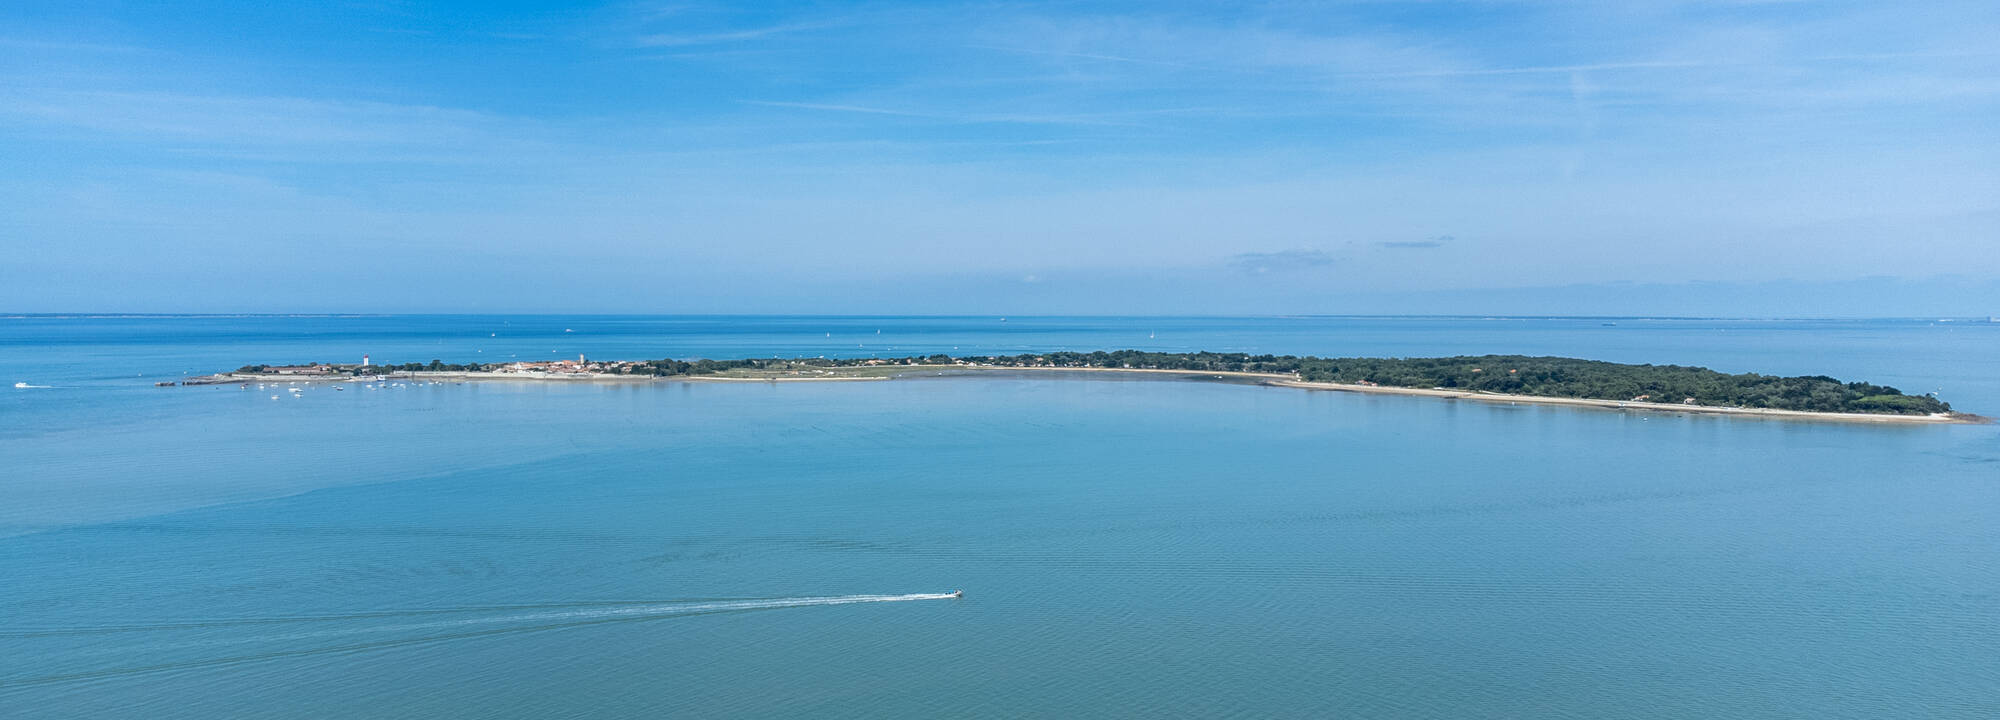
(511, 620)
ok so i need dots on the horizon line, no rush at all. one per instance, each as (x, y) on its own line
(1282, 316)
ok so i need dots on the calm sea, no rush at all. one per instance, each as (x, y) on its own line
(1127, 548)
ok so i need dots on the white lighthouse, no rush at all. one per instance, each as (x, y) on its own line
(364, 361)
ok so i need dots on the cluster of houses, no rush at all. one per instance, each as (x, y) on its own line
(579, 366)
(299, 369)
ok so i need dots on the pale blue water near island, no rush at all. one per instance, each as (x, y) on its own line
(1127, 548)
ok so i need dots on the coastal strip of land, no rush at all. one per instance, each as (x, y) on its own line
(1290, 381)
(1560, 381)
(1946, 417)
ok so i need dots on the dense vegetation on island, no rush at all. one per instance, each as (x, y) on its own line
(1510, 374)
(1522, 375)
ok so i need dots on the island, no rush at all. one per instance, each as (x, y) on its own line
(1492, 378)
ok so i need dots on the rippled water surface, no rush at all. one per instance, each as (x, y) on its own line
(1127, 548)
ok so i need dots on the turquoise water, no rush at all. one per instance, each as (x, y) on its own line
(1127, 548)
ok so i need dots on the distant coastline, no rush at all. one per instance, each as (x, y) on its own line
(1443, 378)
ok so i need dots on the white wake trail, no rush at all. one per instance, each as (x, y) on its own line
(635, 611)
(669, 610)
(525, 622)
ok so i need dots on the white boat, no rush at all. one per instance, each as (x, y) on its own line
(20, 385)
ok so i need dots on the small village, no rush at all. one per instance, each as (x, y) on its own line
(580, 368)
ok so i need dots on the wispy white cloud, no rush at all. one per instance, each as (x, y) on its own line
(1261, 263)
(725, 36)
(1083, 56)
(170, 127)
(1535, 70)
(67, 46)
(1661, 65)
(830, 107)
(1106, 119)
(1431, 243)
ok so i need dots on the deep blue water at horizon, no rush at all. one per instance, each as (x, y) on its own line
(1128, 548)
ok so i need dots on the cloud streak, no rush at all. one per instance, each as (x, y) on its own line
(1084, 56)
(1427, 244)
(1259, 263)
(969, 118)
(657, 40)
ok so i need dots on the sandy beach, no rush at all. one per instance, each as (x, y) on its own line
(1290, 381)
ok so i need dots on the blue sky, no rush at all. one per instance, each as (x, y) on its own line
(1651, 157)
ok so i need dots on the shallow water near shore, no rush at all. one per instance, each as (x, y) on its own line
(1127, 547)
